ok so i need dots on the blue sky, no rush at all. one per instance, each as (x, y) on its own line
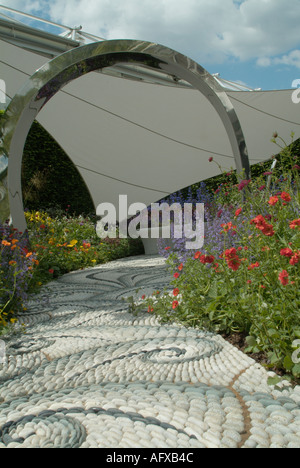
(256, 42)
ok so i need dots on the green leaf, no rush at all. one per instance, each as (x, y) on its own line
(296, 370)
(274, 380)
(288, 363)
(251, 341)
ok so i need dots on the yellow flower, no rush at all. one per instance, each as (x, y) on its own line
(72, 243)
(94, 261)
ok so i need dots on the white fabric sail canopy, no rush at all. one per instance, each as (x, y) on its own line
(144, 139)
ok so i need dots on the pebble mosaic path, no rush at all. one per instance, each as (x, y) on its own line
(88, 374)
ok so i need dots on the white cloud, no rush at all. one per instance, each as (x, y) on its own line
(207, 31)
(291, 59)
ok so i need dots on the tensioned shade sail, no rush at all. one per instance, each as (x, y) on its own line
(148, 140)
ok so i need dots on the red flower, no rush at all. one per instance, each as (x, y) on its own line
(176, 275)
(273, 200)
(253, 265)
(232, 259)
(176, 292)
(180, 266)
(263, 226)
(42, 226)
(51, 271)
(283, 277)
(143, 296)
(243, 184)
(267, 230)
(197, 255)
(228, 226)
(259, 220)
(286, 252)
(286, 196)
(234, 263)
(175, 304)
(167, 248)
(211, 159)
(230, 253)
(207, 259)
(238, 211)
(295, 223)
(295, 258)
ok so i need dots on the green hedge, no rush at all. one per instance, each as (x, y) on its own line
(50, 180)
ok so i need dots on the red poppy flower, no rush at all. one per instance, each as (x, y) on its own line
(176, 292)
(175, 304)
(176, 275)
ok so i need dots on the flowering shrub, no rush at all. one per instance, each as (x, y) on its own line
(16, 270)
(53, 246)
(65, 244)
(246, 278)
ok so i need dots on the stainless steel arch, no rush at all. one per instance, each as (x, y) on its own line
(50, 78)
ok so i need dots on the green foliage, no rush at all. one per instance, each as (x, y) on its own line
(49, 178)
(252, 284)
(65, 244)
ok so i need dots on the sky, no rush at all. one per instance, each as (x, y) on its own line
(255, 42)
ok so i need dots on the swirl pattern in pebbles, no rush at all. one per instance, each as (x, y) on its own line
(89, 374)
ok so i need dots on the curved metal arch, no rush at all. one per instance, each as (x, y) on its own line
(54, 75)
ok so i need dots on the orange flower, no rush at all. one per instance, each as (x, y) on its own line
(273, 200)
(12, 263)
(180, 266)
(6, 244)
